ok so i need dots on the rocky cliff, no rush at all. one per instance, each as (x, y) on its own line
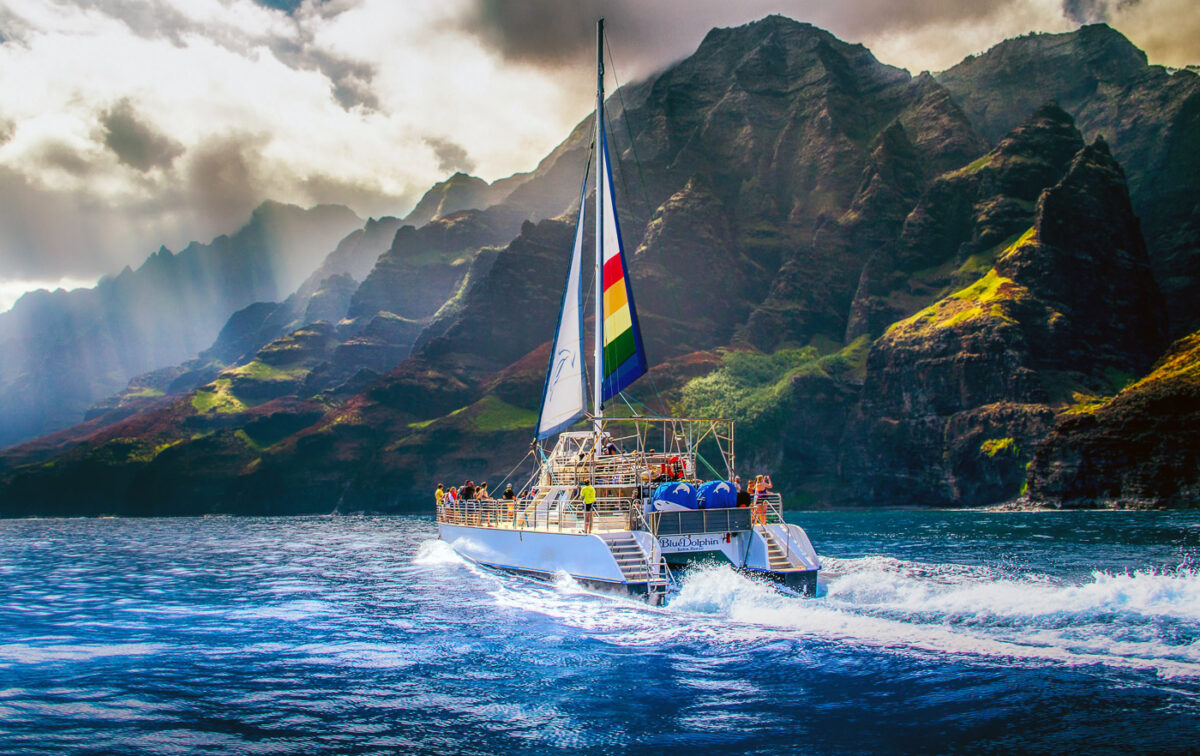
(1150, 117)
(899, 286)
(957, 396)
(1138, 448)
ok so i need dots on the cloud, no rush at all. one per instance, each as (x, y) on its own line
(135, 143)
(126, 124)
(350, 80)
(451, 157)
(55, 155)
(224, 176)
(646, 36)
(1085, 11)
(544, 32)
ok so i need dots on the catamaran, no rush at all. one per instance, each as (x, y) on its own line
(619, 505)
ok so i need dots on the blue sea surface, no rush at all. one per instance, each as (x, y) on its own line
(935, 632)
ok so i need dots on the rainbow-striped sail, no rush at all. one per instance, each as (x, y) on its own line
(624, 358)
(619, 356)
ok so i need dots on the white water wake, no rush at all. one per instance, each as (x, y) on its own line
(1143, 620)
(1146, 620)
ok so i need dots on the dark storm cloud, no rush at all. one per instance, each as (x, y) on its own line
(649, 35)
(1095, 11)
(451, 157)
(1086, 11)
(135, 143)
(224, 177)
(540, 31)
(350, 81)
(61, 156)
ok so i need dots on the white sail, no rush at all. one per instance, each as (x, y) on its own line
(564, 398)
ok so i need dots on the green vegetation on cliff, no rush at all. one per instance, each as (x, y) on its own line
(1140, 447)
(993, 446)
(758, 389)
(219, 398)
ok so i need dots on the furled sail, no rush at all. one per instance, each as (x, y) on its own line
(624, 358)
(564, 399)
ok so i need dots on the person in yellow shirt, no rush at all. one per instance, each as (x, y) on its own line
(438, 495)
(588, 494)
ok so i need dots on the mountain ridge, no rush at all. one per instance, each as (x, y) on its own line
(830, 197)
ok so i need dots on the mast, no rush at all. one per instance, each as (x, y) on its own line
(598, 375)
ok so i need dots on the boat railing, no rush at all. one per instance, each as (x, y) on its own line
(552, 512)
(692, 521)
(620, 469)
(774, 508)
(768, 510)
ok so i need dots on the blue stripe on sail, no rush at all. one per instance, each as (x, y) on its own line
(629, 371)
(634, 367)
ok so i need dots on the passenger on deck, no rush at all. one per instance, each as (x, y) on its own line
(761, 486)
(438, 495)
(508, 493)
(481, 493)
(588, 494)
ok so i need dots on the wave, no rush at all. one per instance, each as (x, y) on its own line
(1145, 619)
(958, 590)
(434, 552)
(25, 653)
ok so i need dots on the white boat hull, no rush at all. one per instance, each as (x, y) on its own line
(585, 557)
(588, 558)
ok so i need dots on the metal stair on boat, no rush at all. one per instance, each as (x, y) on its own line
(635, 565)
(777, 560)
(629, 557)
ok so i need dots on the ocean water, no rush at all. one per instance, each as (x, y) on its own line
(935, 632)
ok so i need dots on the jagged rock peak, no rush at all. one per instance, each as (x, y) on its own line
(1099, 47)
(1087, 257)
(790, 45)
(1049, 133)
(459, 192)
(1090, 206)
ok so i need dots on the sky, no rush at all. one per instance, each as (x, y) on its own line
(130, 124)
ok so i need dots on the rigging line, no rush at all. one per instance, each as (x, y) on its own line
(590, 276)
(627, 404)
(510, 472)
(713, 470)
(637, 163)
(628, 130)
